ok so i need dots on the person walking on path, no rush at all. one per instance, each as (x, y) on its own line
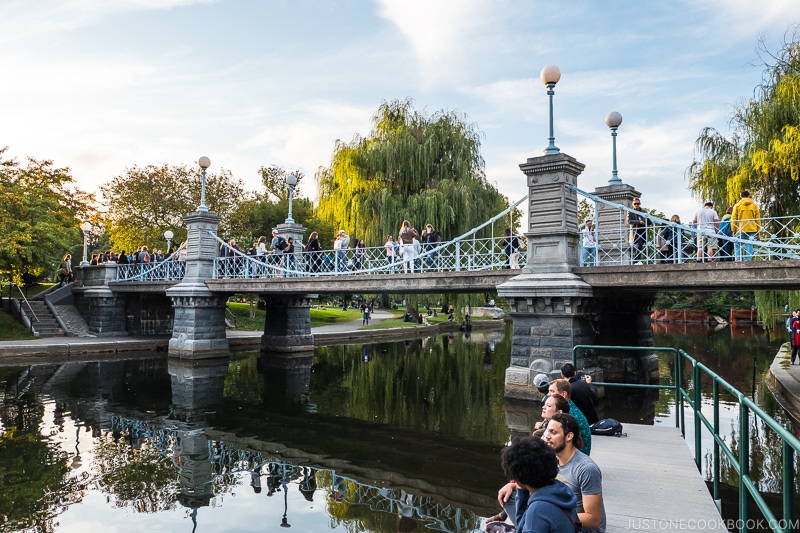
(746, 222)
(637, 222)
(65, 271)
(794, 332)
(707, 221)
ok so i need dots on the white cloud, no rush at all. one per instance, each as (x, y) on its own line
(441, 33)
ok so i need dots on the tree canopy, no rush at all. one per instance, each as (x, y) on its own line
(144, 202)
(763, 152)
(40, 214)
(427, 169)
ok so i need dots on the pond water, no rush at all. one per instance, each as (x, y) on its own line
(382, 438)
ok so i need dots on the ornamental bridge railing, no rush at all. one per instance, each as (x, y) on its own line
(701, 409)
(778, 238)
(468, 252)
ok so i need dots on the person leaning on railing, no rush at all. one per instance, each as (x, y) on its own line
(637, 222)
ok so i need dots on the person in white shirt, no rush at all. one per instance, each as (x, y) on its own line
(707, 221)
(588, 244)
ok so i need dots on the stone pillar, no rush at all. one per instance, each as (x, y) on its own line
(106, 313)
(296, 232)
(199, 325)
(287, 327)
(612, 229)
(196, 386)
(103, 310)
(550, 306)
(287, 377)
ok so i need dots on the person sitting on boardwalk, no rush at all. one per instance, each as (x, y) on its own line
(582, 393)
(563, 388)
(543, 503)
(552, 405)
(577, 470)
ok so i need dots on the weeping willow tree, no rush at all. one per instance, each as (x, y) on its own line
(761, 155)
(426, 169)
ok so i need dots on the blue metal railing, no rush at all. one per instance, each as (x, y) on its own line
(777, 238)
(740, 462)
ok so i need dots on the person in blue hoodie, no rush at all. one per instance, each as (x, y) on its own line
(543, 504)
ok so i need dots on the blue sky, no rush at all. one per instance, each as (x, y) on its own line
(101, 85)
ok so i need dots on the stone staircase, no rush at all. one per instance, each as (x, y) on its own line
(47, 325)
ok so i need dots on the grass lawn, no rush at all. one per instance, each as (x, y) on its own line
(10, 329)
(29, 291)
(319, 317)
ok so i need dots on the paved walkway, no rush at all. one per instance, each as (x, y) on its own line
(651, 483)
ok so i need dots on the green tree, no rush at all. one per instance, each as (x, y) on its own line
(144, 202)
(427, 169)
(40, 214)
(273, 178)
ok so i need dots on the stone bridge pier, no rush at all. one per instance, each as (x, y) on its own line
(198, 330)
(552, 308)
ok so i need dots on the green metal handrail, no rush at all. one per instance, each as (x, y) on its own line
(790, 445)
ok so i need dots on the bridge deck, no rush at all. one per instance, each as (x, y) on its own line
(650, 482)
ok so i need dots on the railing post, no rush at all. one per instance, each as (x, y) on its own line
(744, 465)
(697, 421)
(716, 466)
(787, 473)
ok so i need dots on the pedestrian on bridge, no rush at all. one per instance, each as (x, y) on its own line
(707, 221)
(588, 244)
(392, 251)
(746, 222)
(406, 237)
(340, 245)
(314, 251)
(637, 236)
(430, 238)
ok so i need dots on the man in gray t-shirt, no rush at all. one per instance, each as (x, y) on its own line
(707, 220)
(578, 471)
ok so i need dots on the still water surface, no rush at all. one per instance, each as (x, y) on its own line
(383, 438)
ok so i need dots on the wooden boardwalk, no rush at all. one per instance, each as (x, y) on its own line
(651, 483)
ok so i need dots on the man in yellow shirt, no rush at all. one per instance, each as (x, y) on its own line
(746, 223)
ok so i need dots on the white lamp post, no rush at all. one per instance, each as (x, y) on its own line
(204, 163)
(291, 181)
(550, 76)
(168, 235)
(613, 120)
(86, 227)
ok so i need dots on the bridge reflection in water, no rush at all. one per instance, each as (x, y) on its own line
(202, 461)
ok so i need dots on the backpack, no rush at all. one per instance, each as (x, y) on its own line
(280, 245)
(608, 426)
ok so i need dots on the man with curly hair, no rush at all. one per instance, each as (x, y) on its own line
(543, 504)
